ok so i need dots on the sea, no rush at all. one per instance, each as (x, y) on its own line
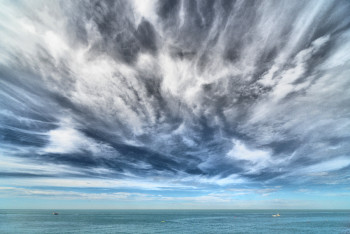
(175, 221)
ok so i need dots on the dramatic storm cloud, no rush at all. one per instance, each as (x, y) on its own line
(175, 101)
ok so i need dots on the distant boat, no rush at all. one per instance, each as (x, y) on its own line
(276, 215)
(54, 213)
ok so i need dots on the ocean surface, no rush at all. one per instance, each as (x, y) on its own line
(175, 221)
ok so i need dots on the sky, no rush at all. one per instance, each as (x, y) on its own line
(175, 104)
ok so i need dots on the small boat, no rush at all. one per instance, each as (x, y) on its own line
(54, 213)
(276, 215)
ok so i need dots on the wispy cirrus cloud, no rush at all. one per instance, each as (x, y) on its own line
(202, 94)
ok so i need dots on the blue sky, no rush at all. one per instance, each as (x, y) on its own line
(175, 104)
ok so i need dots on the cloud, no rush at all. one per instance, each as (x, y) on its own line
(66, 140)
(44, 193)
(54, 194)
(199, 94)
(258, 159)
(330, 165)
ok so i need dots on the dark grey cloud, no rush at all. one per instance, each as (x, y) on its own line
(249, 90)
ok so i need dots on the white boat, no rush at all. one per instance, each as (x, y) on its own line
(276, 215)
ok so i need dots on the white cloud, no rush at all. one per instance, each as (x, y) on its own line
(258, 159)
(283, 82)
(222, 181)
(67, 139)
(59, 194)
(115, 93)
(261, 191)
(241, 152)
(55, 44)
(146, 9)
(329, 165)
(26, 165)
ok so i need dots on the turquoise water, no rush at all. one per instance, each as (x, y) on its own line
(176, 221)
